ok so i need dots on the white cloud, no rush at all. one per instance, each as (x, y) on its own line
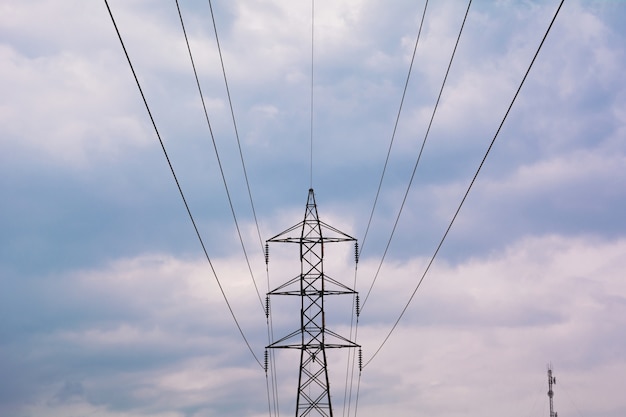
(491, 324)
(110, 311)
(471, 326)
(63, 107)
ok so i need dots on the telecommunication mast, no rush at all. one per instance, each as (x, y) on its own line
(551, 381)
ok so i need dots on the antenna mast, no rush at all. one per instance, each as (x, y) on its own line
(551, 381)
(312, 286)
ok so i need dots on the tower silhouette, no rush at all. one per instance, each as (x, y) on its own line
(551, 382)
(312, 285)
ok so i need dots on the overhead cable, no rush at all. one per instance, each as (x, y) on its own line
(419, 156)
(182, 195)
(395, 127)
(358, 252)
(232, 113)
(312, 67)
(269, 386)
(217, 155)
(432, 259)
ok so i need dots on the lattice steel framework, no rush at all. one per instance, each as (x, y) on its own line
(312, 286)
(551, 381)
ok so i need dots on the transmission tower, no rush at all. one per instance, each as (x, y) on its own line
(551, 381)
(313, 338)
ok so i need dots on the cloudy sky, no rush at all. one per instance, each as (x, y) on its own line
(108, 305)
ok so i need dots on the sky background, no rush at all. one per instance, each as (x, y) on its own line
(108, 306)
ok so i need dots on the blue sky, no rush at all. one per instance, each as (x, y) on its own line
(108, 305)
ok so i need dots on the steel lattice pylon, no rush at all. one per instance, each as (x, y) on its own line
(312, 285)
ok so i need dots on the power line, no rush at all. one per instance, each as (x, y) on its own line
(312, 67)
(219, 162)
(271, 384)
(354, 327)
(419, 156)
(180, 190)
(352, 359)
(482, 162)
(232, 113)
(395, 127)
